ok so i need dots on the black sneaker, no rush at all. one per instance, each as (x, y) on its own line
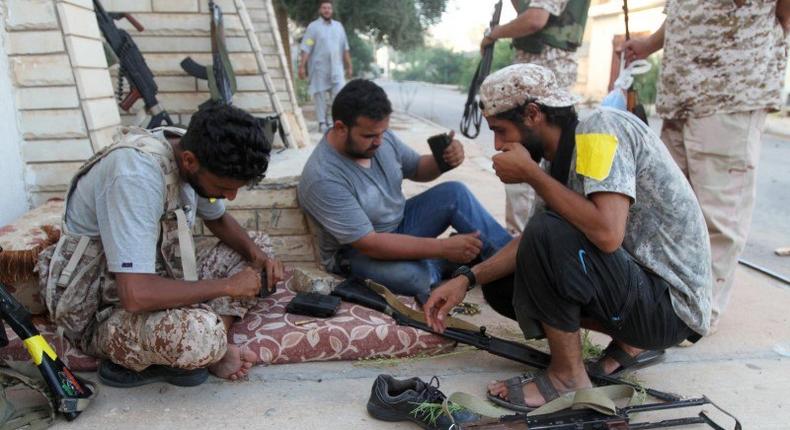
(116, 375)
(413, 400)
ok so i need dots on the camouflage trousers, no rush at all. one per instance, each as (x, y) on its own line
(520, 198)
(719, 156)
(188, 337)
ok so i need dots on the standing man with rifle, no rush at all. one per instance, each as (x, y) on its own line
(325, 51)
(723, 68)
(546, 33)
(620, 248)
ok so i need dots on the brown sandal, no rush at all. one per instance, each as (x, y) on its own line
(515, 390)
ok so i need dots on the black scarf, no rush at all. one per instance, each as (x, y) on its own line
(561, 166)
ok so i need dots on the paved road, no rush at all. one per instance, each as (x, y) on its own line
(770, 225)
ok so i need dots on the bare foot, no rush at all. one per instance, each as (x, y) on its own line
(532, 396)
(234, 365)
(610, 364)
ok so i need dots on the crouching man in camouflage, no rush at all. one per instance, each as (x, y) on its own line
(124, 284)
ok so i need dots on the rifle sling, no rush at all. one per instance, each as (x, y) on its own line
(416, 315)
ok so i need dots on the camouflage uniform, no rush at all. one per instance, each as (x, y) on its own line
(723, 67)
(520, 198)
(81, 294)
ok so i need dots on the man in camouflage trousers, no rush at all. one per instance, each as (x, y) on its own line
(723, 68)
(546, 33)
(124, 283)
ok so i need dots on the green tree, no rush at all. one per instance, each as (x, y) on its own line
(503, 57)
(398, 23)
(430, 64)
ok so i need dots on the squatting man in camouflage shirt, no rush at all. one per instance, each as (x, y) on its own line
(159, 313)
(618, 244)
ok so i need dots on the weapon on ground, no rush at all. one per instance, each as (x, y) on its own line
(133, 67)
(357, 291)
(70, 394)
(473, 117)
(588, 419)
(362, 292)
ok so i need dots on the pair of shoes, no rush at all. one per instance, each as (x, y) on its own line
(515, 390)
(416, 401)
(626, 361)
(115, 375)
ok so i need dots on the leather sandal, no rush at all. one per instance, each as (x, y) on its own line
(626, 362)
(515, 385)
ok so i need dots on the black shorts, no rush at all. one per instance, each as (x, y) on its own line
(562, 278)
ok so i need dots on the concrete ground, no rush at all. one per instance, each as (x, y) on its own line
(745, 367)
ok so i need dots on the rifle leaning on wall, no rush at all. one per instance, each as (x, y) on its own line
(377, 297)
(132, 66)
(219, 74)
(473, 116)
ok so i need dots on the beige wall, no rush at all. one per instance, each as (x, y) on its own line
(62, 90)
(604, 23)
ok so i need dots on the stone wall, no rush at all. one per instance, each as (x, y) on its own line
(176, 29)
(63, 93)
(11, 165)
(272, 207)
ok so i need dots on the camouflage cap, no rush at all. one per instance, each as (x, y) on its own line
(514, 85)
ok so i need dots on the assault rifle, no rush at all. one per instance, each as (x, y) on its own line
(220, 77)
(588, 419)
(473, 117)
(361, 292)
(70, 395)
(132, 66)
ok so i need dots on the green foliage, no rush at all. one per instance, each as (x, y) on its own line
(432, 411)
(590, 349)
(646, 84)
(440, 65)
(399, 23)
(361, 54)
(503, 57)
(430, 64)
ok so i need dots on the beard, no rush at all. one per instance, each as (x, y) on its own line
(199, 190)
(354, 153)
(532, 143)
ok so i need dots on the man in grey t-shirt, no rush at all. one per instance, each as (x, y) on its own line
(351, 187)
(620, 245)
(162, 315)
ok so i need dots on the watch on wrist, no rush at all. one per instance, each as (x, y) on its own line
(466, 271)
(487, 34)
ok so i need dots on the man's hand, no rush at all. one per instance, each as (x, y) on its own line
(486, 42)
(454, 153)
(637, 49)
(513, 164)
(302, 72)
(275, 272)
(246, 283)
(349, 72)
(443, 299)
(461, 248)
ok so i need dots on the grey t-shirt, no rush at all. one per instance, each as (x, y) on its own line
(121, 199)
(348, 201)
(666, 231)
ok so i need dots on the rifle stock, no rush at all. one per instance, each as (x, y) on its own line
(132, 65)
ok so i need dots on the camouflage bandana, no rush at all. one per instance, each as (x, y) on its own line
(514, 85)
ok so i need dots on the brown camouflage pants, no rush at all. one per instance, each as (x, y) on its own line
(188, 337)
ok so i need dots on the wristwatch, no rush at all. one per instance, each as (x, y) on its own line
(466, 271)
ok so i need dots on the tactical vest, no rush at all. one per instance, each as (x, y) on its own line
(76, 286)
(564, 32)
